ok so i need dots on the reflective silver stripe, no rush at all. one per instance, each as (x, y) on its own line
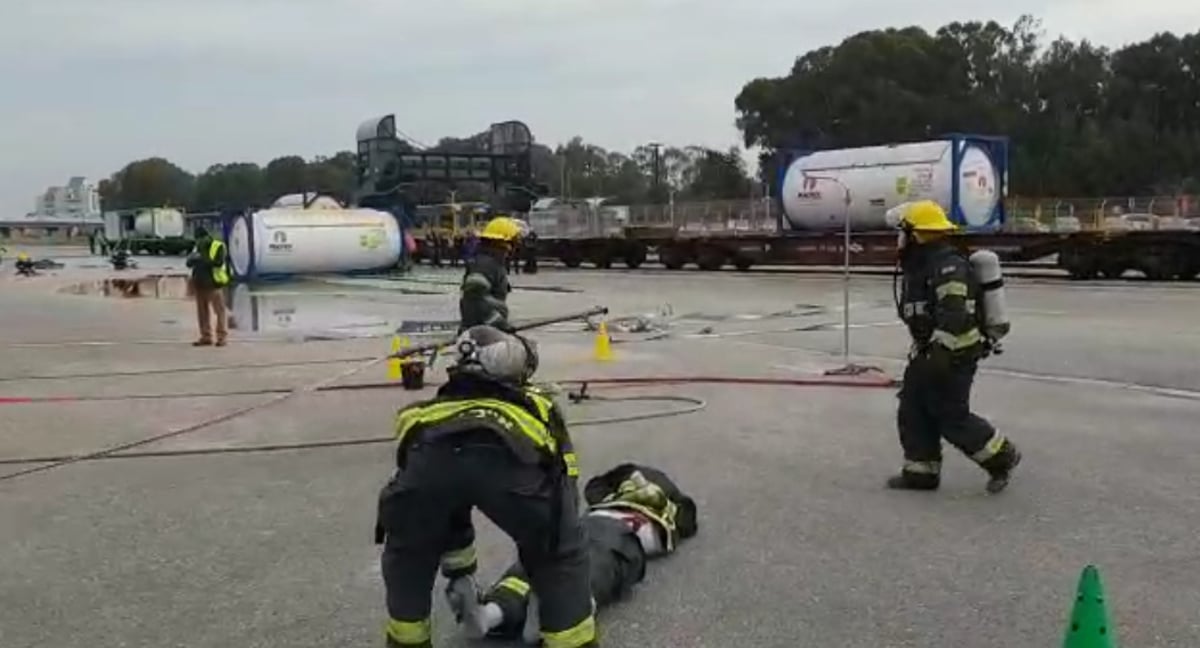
(923, 467)
(476, 280)
(459, 558)
(957, 342)
(951, 289)
(493, 318)
(993, 447)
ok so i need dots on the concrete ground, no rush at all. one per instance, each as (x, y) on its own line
(799, 544)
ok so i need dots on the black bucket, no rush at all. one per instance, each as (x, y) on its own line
(412, 374)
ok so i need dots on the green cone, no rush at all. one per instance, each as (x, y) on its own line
(1090, 626)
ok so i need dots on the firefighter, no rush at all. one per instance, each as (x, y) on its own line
(491, 441)
(634, 513)
(25, 266)
(485, 284)
(938, 304)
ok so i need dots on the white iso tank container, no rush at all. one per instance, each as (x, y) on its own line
(881, 177)
(275, 242)
(159, 223)
(314, 201)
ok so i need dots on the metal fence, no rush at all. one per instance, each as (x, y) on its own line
(1089, 214)
(758, 216)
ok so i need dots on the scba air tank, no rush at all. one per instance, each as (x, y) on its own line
(985, 266)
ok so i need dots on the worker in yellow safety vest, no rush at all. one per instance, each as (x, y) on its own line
(210, 275)
(488, 440)
(938, 303)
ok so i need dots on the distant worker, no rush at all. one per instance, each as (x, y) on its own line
(25, 266)
(531, 252)
(635, 513)
(438, 243)
(488, 440)
(938, 303)
(485, 284)
(210, 275)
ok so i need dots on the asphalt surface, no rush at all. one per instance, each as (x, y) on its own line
(799, 543)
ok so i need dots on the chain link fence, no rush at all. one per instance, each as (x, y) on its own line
(1099, 214)
(760, 216)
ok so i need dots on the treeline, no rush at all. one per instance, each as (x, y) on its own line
(1084, 120)
(575, 169)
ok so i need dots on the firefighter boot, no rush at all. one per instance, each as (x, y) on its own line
(917, 475)
(1000, 466)
(914, 481)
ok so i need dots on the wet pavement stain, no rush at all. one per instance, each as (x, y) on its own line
(147, 287)
(305, 308)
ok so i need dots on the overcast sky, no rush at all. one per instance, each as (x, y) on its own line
(88, 85)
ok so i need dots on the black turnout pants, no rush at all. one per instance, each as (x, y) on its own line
(935, 404)
(425, 513)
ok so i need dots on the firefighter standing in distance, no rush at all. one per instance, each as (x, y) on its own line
(938, 303)
(492, 441)
(485, 284)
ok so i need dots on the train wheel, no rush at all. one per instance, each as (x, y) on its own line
(742, 263)
(711, 259)
(635, 256)
(672, 258)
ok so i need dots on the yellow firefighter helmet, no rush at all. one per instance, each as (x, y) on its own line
(501, 228)
(926, 216)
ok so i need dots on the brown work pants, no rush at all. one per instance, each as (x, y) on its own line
(214, 299)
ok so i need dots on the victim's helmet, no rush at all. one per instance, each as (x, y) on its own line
(490, 353)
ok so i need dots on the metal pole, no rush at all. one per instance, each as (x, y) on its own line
(846, 277)
(845, 263)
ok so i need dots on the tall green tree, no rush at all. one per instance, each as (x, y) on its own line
(1083, 120)
(152, 182)
(230, 186)
(286, 175)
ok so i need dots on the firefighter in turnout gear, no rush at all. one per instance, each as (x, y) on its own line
(488, 440)
(485, 284)
(938, 303)
(634, 513)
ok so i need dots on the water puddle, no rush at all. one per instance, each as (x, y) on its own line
(304, 309)
(147, 287)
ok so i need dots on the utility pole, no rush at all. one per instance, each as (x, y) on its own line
(657, 170)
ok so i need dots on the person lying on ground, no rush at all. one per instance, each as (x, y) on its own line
(634, 513)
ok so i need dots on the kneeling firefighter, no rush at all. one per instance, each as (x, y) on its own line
(487, 440)
(634, 513)
(485, 284)
(951, 331)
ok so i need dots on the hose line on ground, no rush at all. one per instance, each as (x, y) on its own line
(874, 382)
(692, 404)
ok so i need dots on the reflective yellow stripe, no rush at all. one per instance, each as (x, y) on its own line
(572, 637)
(408, 633)
(459, 558)
(951, 289)
(543, 404)
(572, 463)
(510, 416)
(993, 447)
(220, 274)
(514, 584)
(665, 518)
(923, 467)
(956, 342)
